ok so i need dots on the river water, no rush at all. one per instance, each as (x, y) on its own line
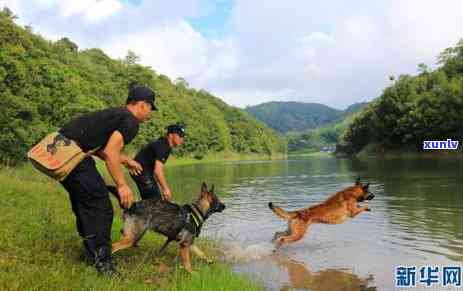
(416, 220)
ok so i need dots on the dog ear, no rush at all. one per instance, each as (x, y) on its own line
(365, 187)
(212, 188)
(357, 182)
(204, 187)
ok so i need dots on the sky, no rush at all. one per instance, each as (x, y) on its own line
(247, 52)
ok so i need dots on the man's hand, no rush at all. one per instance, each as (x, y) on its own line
(166, 195)
(134, 167)
(126, 196)
(159, 174)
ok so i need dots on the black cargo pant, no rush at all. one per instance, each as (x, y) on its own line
(91, 206)
(147, 186)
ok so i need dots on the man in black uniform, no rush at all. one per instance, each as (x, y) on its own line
(108, 131)
(152, 158)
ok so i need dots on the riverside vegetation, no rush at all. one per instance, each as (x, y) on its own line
(44, 83)
(40, 249)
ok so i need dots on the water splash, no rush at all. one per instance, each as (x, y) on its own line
(238, 252)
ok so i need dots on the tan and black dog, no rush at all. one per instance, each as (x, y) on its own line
(336, 209)
(179, 223)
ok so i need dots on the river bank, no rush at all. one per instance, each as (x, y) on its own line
(223, 157)
(41, 249)
(381, 152)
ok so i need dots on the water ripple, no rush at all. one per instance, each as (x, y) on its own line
(414, 221)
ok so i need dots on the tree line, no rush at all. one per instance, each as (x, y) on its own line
(43, 84)
(428, 106)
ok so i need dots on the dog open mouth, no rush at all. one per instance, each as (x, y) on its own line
(369, 196)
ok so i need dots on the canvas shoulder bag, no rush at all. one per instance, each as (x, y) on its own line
(56, 156)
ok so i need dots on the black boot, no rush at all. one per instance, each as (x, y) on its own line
(89, 251)
(87, 257)
(104, 263)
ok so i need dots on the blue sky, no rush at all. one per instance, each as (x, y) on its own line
(132, 2)
(212, 24)
(246, 52)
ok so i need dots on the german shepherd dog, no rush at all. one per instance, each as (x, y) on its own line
(179, 223)
(334, 210)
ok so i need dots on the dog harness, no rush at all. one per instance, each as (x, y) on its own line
(194, 220)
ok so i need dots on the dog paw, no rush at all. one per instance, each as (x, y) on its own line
(189, 271)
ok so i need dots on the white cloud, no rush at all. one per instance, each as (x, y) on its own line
(333, 52)
(14, 5)
(88, 10)
(315, 37)
(425, 27)
(178, 51)
(336, 53)
(91, 10)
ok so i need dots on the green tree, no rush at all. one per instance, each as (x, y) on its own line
(43, 84)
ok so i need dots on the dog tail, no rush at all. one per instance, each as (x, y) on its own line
(281, 212)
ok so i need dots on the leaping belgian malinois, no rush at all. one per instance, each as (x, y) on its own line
(336, 209)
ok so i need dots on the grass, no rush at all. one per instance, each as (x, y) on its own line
(222, 157)
(40, 248)
(308, 152)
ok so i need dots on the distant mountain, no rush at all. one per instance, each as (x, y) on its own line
(299, 116)
(322, 138)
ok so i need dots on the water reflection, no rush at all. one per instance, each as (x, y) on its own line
(329, 279)
(416, 218)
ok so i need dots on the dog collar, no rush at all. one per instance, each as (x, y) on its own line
(197, 214)
(195, 220)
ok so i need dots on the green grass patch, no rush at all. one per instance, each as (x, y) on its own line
(40, 248)
(222, 157)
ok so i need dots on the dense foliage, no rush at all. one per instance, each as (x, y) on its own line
(294, 116)
(412, 109)
(356, 107)
(43, 84)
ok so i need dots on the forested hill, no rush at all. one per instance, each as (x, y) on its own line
(43, 84)
(299, 116)
(428, 106)
(294, 116)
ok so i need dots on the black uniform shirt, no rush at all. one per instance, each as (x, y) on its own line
(93, 130)
(157, 150)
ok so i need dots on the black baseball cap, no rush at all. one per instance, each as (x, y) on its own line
(140, 93)
(176, 128)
